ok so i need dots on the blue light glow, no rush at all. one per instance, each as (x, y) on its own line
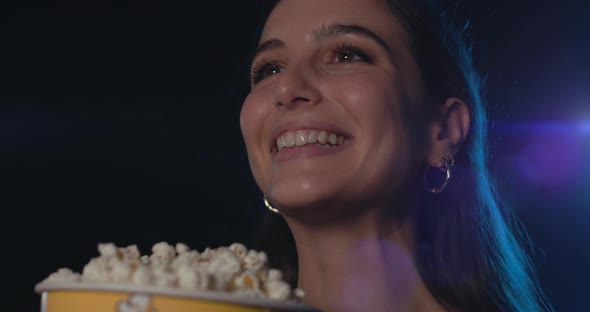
(584, 127)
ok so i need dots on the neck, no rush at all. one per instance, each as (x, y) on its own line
(360, 264)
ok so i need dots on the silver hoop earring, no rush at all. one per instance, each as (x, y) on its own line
(269, 205)
(448, 161)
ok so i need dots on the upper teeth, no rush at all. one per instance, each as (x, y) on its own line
(303, 137)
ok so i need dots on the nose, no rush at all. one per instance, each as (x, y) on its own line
(296, 88)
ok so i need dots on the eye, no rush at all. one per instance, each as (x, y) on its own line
(348, 53)
(261, 71)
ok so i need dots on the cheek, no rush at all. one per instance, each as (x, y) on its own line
(245, 117)
(370, 99)
(252, 120)
(375, 103)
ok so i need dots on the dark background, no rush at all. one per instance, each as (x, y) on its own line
(119, 123)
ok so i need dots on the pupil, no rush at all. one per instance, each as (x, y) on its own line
(272, 70)
(346, 56)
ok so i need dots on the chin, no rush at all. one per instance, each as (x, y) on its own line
(299, 196)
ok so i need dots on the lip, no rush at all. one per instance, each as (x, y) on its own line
(299, 125)
(306, 151)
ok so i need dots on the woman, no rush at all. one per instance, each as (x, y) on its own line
(354, 104)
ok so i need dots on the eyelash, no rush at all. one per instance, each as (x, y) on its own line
(259, 68)
(349, 47)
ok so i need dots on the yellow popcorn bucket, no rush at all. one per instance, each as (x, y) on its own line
(109, 297)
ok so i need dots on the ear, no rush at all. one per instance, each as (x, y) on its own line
(448, 133)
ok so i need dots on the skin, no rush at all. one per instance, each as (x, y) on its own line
(354, 255)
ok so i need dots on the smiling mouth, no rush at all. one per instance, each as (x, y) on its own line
(308, 137)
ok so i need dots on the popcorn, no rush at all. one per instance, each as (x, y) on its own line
(187, 258)
(162, 255)
(247, 280)
(239, 250)
(274, 275)
(130, 253)
(181, 248)
(277, 290)
(120, 271)
(225, 262)
(64, 275)
(299, 293)
(97, 270)
(107, 249)
(165, 278)
(189, 278)
(142, 276)
(255, 260)
(233, 269)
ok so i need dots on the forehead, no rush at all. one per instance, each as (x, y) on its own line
(298, 19)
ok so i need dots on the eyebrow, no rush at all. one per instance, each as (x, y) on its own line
(334, 30)
(327, 31)
(268, 45)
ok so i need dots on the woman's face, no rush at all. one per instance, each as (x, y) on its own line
(328, 118)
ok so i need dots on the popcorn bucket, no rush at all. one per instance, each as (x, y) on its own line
(109, 297)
